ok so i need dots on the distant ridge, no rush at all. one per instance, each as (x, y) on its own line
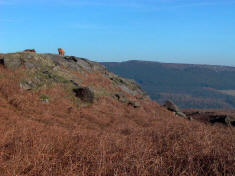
(177, 65)
(189, 85)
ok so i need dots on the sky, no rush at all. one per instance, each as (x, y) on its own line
(175, 31)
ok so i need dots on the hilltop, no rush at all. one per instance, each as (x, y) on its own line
(71, 116)
(188, 85)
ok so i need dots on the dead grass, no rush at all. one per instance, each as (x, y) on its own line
(106, 138)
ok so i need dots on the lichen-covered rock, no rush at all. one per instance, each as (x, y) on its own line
(44, 70)
(127, 85)
(12, 61)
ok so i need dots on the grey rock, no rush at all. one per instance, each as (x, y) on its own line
(27, 85)
(134, 104)
(85, 64)
(29, 65)
(181, 114)
(174, 108)
(56, 59)
(127, 85)
(12, 61)
(230, 120)
(121, 97)
(171, 106)
(225, 119)
(98, 67)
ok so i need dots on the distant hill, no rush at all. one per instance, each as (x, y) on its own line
(190, 86)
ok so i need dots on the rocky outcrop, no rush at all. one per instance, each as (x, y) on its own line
(12, 61)
(225, 119)
(46, 69)
(34, 60)
(127, 85)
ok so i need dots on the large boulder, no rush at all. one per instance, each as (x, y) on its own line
(225, 119)
(174, 108)
(171, 106)
(181, 114)
(85, 94)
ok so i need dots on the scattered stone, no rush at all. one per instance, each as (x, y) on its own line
(121, 97)
(134, 104)
(181, 114)
(26, 85)
(85, 94)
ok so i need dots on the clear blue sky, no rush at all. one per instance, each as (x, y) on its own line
(180, 31)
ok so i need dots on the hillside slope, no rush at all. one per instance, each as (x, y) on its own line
(47, 128)
(190, 86)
